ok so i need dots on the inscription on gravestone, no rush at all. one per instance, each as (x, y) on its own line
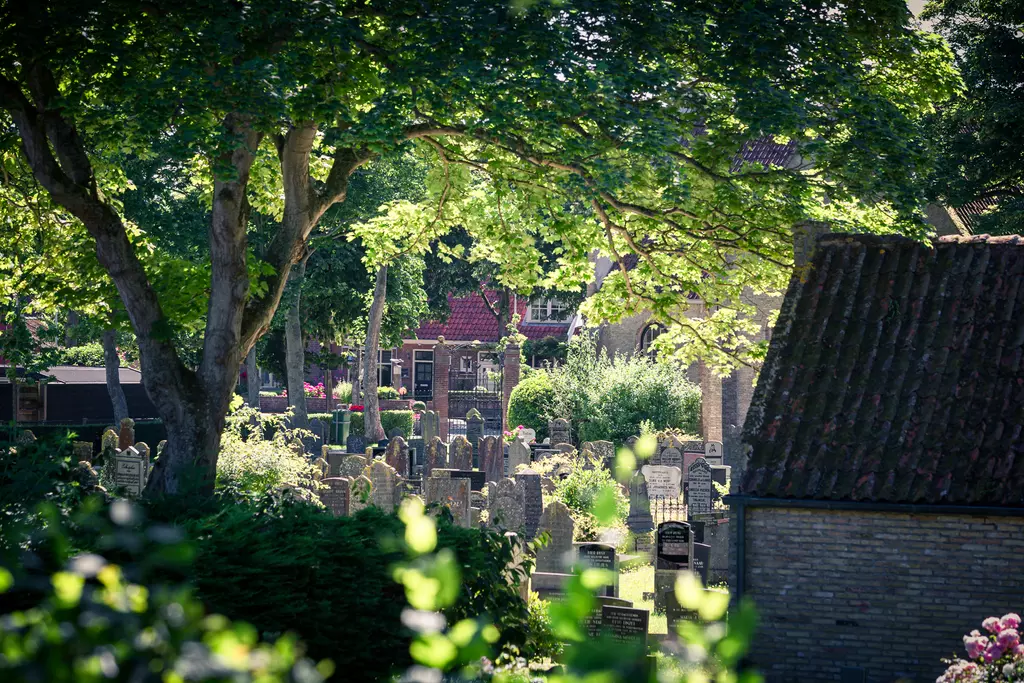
(533, 501)
(451, 493)
(698, 500)
(518, 454)
(506, 505)
(600, 556)
(460, 454)
(436, 456)
(626, 624)
(397, 455)
(674, 552)
(335, 496)
(558, 432)
(701, 561)
(662, 481)
(671, 457)
(714, 452)
(128, 473)
(557, 522)
(492, 458)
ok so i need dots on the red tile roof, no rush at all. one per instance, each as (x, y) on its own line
(470, 320)
(895, 374)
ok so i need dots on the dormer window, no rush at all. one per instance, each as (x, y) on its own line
(548, 310)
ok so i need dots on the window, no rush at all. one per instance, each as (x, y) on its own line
(423, 374)
(465, 364)
(384, 369)
(545, 310)
(647, 337)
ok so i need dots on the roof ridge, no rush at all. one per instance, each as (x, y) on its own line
(872, 239)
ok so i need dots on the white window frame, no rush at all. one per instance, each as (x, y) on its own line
(543, 310)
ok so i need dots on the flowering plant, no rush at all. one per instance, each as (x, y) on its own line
(514, 434)
(355, 408)
(402, 391)
(997, 655)
(314, 391)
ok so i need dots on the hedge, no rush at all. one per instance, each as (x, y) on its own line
(531, 402)
(389, 419)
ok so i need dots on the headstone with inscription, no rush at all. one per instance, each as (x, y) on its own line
(698, 499)
(518, 455)
(558, 432)
(397, 455)
(355, 444)
(385, 493)
(592, 622)
(506, 505)
(557, 522)
(335, 494)
(128, 473)
(460, 454)
(533, 501)
(662, 481)
(674, 554)
(125, 434)
(492, 458)
(352, 466)
(528, 435)
(670, 456)
(692, 450)
(600, 556)
(626, 624)
(605, 452)
(436, 456)
(639, 519)
(453, 494)
(474, 427)
(431, 425)
(714, 452)
(702, 561)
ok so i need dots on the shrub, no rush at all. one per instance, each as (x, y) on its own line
(419, 406)
(90, 354)
(343, 392)
(389, 419)
(996, 655)
(387, 393)
(582, 489)
(532, 402)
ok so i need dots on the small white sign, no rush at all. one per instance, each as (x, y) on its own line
(528, 435)
(714, 452)
(662, 481)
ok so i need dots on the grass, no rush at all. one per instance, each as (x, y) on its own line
(633, 583)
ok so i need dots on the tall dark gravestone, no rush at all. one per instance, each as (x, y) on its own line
(673, 554)
(600, 556)
(533, 501)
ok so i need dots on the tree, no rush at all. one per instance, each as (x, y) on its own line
(597, 126)
(371, 410)
(978, 135)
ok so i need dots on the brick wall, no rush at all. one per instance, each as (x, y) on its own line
(893, 593)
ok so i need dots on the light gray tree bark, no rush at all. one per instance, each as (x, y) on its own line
(112, 365)
(295, 352)
(372, 427)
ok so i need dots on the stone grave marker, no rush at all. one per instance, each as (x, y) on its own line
(702, 561)
(492, 458)
(460, 454)
(626, 624)
(416, 451)
(430, 425)
(670, 456)
(143, 448)
(436, 456)
(395, 433)
(566, 448)
(639, 519)
(714, 452)
(604, 450)
(662, 481)
(674, 553)
(474, 427)
(385, 480)
(336, 494)
(528, 435)
(317, 426)
(451, 493)
(558, 432)
(518, 454)
(360, 495)
(321, 469)
(352, 466)
(397, 455)
(475, 477)
(698, 499)
(533, 501)
(541, 453)
(506, 505)
(128, 471)
(691, 451)
(600, 556)
(557, 522)
(82, 451)
(592, 623)
(721, 475)
(334, 458)
(355, 444)
(125, 434)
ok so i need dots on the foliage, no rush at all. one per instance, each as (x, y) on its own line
(532, 402)
(252, 465)
(977, 135)
(343, 392)
(90, 354)
(547, 350)
(387, 393)
(96, 620)
(585, 489)
(608, 398)
(995, 655)
(389, 419)
(418, 406)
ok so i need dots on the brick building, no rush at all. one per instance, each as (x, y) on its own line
(879, 498)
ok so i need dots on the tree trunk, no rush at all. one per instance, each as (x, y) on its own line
(355, 375)
(252, 379)
(295, 354)
(113, 364)
(371, 408)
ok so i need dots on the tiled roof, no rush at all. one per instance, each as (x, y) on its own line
(470, 320)
(768, 152)
(895, 374)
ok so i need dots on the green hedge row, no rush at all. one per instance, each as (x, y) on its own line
(389, 419)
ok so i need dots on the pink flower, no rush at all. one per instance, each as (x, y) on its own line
(1019, 650)
(1008, 639)
(1010, 620)
(975, 645)
(991, 625)
(993, 652)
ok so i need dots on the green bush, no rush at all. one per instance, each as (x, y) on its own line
(387, 393)
(90, 354)
(532, 402)
(608, 398)
(294, 568)
(419, 406)
(580, 490)
(343, 392)
(389, 419)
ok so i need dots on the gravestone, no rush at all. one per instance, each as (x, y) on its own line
(460, 454)
(670, 456)
(436, 456)
(600, 556)
(518, 454)
(547, 485)
(533, 501)
(431, 425)
(82, 451)
(702, 561)
(385, 493)
(506, 505)
(528, 435)
(674, 553)
(335, 495)
(605, 452)
(692, 450)
(352, 466)
(125, 434)
(334, 458)
(542, 453)
(492, 458)
(396, 433)
(128, 472)
(557, 522)
(714, 452)
(566, 448)
(662, 481)
(558, 432)
(698, 499)
(639, 520)
(720, 474)
(360, 495)
(475, 477)
(451, 493)
(321, 469)
(626, 624)
(592, 622)
(143, 448)
(317, 426)
(397, 455)
(416, 451)
(474, 427)
(355, 444)
(108, 445)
